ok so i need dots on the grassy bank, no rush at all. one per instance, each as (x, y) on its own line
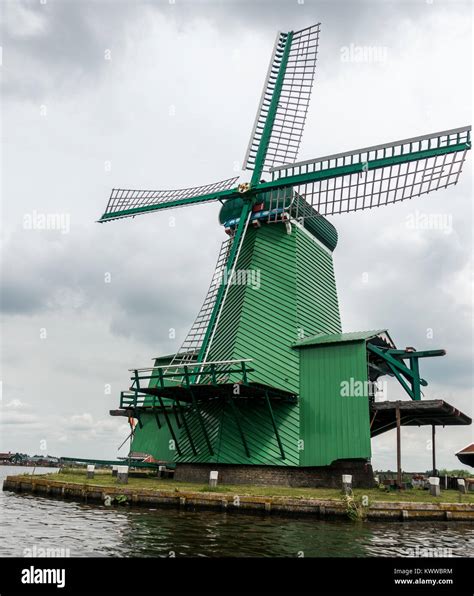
(105, 479)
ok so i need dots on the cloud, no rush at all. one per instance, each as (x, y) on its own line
(16, 413)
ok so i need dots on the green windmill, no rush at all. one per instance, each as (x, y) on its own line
(266, 387)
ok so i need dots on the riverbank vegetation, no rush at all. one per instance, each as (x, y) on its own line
(104, 478)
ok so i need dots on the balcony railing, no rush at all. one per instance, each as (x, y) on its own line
(213, 373)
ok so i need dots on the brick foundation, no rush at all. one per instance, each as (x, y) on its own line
(324, 476)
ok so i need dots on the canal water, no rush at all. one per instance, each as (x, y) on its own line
(28, 525)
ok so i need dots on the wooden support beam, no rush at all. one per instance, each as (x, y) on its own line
(415, 382)
(401, 380)
(169, 425)
(201, 422)
(157, 418)
(137, 387)
(239, 427)
(402, 372)
(399, 451)
(416, 354)
(186, 427)
(176, 416)
(269, 405)
(136, 414)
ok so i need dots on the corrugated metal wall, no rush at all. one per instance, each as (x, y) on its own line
(333, 426)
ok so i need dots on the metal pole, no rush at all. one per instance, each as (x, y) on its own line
(399, 454)
(433, 446)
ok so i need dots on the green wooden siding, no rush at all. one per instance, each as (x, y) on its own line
(316, 296)
(297, 294)
(224, 435)
(257, 428)
(153, 440)
(333, 426)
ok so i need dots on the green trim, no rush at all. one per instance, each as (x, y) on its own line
(186, 427)
(201, 423)
(157, 419)
(229, 265)
(415, 383)
(169, 425)
(216, 196)
(235, 414)
(295, 180)
(272, 110)
(324, 174)
(336, 338)
(275, 428)
(399, 368)
(416, 354)
(131, 462)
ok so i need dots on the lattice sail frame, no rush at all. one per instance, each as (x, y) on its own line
(129, 203)
(190, 347)
(295, 94)
(379, 175)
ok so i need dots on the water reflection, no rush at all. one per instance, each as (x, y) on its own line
(87, 530)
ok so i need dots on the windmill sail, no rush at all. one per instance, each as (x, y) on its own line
(129, 203)
(198, 341)
(378, 175)
(189, 349)
(281, 114)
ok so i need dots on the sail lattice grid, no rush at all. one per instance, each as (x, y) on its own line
(290, 117)
(123, 202)
(189, 349)
(382, 174)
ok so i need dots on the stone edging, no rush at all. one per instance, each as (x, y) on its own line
(405, 511)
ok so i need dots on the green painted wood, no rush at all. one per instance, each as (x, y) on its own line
(256, 425)
(296, 295)
(334, 338)
(333, 426)
(153, 440)
(215, 196)
(327, 173)
(272, 110)
(239, 237)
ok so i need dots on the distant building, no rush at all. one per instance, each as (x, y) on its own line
(466, 455)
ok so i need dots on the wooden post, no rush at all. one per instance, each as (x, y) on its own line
(433, 447)
(399, 454)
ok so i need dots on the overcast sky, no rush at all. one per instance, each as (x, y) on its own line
(107, 94)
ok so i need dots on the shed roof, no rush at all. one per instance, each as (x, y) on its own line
(336, 338)
(433, 412)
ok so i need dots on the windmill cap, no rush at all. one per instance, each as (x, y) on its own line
(313, 222)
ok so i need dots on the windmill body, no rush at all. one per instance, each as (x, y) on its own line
(266, 387)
